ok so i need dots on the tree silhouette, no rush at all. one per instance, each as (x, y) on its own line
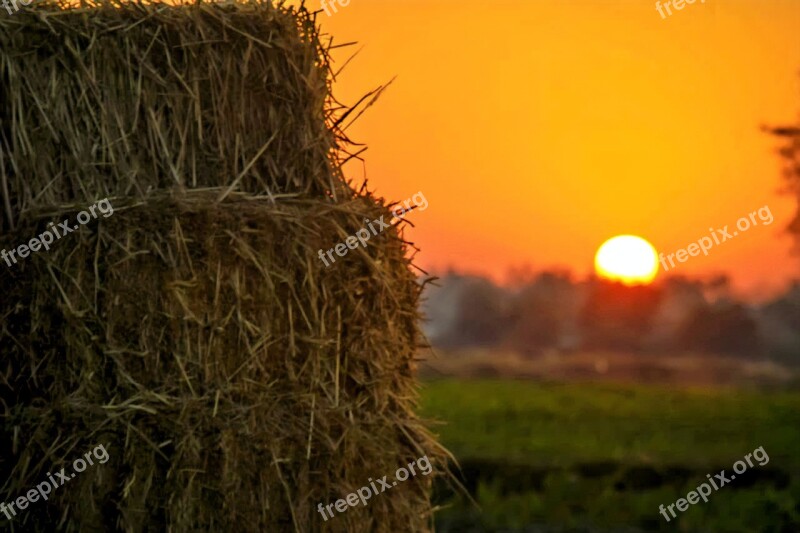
(790, 152)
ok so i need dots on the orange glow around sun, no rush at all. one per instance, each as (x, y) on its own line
(628, 259)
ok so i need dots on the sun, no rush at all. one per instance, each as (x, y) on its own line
(627, 258)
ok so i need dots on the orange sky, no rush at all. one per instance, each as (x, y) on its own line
(538, 129)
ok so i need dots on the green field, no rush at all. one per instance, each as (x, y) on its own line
(589, 457)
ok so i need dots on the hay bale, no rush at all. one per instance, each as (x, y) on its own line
(119, 99)
(236, 381)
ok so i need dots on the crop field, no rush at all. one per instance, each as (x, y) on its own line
(602, 457)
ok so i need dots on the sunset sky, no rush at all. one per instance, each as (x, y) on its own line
(539, 129)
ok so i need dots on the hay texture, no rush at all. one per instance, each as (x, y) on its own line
(234, 379)
(237, 380)
(122, 99)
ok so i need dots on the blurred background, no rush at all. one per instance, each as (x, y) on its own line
(574, 399)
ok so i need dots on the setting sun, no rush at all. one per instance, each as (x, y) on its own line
(627, 258)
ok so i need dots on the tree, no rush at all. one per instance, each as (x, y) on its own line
(723, 328)
(539, 313)
(618, 317)
(790, 152)
(466, 311)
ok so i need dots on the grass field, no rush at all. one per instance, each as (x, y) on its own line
(603, 457)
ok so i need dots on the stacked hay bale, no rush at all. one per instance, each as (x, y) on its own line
(234, 379)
